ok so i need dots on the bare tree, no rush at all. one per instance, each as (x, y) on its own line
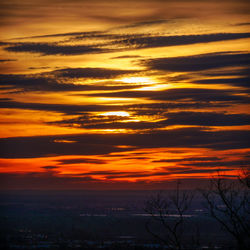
(168, 212)
(244, 177)
(227, 201)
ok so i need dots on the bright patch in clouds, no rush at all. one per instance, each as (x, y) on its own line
(116, 113)
(137, 80)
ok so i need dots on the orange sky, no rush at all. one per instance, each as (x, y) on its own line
(122, 94)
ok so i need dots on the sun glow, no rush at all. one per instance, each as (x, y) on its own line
(137, 80)
(116, 113)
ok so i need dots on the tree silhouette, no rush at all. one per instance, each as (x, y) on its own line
(227, 201)
(168, 212)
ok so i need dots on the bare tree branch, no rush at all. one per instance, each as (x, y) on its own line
(227, 201)
(161, 208)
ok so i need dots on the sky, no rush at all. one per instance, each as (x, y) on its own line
(123, 94)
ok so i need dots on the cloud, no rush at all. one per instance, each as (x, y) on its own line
(203, 171)
(61, 108)
(3, 43)
(29, 82)
(240, 81)
(238, 163)
(89, 34)
(189, 159)
(206, 119)
(167, 172)
(97, 144)
(158, 109)
(198, 62)
(182, 94)
(137, 175)
(125, 174)
(60, 80)
(176, 118)
(45, 146)
(54, 49)
(145, 23)
(118, 174)
(128, 42)
(43, 67)
(241, 24)
(226, 72)
(7, 60)
(99, 73)
(125, 57)
(81, 160)
(49, 167)
(164, 41)
(105, 123)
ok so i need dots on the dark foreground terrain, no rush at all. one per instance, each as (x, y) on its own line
(96, 220)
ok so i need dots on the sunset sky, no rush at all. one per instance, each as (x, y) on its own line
(123, 94)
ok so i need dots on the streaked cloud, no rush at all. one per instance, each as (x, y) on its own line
(58, 80)
(195, 94)
(54, 49)
(92, 144)
(198, 62)
(124, 42)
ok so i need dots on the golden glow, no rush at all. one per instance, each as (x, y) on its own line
(116, 113)
(142, 80)
(156, 87)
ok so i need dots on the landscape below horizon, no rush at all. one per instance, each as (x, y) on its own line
(111, 220)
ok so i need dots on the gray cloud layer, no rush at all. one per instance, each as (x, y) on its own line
(128, 42)
(199, 62)
(92, 144)
(61, 80)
